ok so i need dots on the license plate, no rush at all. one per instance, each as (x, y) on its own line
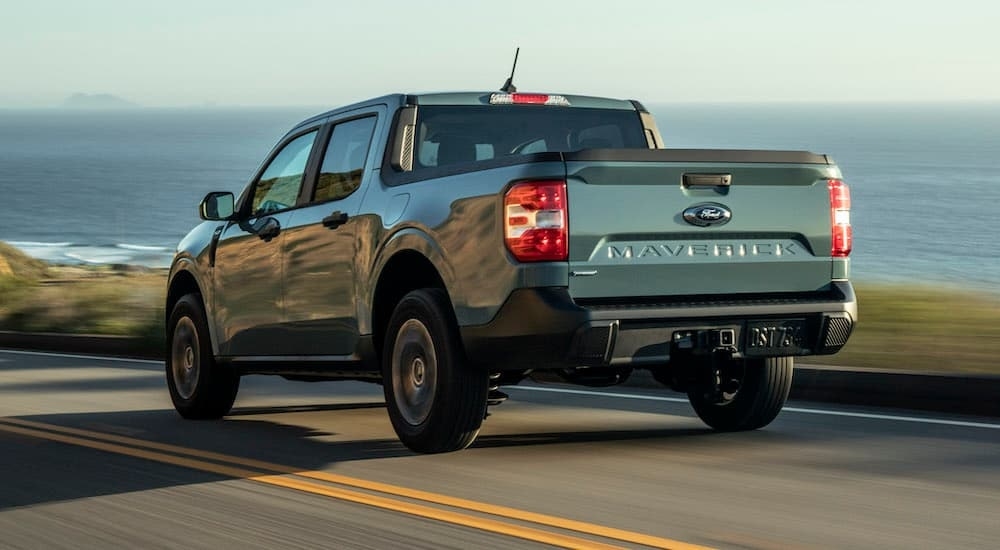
(776, 337)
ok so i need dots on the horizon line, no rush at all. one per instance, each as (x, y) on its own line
(140, 107)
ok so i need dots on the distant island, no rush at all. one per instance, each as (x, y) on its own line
(96, 101)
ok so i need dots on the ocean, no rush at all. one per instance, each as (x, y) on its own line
(123, 186)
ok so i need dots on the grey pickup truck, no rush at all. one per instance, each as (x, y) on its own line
(445, 245)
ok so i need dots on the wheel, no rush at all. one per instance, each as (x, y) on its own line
(199, 388)
(436, 401)
(759, 398)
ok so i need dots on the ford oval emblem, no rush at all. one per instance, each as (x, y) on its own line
(708, 214)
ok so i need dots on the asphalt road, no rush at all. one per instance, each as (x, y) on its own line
(93, 456)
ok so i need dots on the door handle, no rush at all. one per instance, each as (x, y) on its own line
(267, 229)
(335, 220)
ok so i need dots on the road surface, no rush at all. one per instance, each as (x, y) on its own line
(93, 456)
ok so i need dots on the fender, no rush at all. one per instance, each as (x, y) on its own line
(184, 262)
(408, 238)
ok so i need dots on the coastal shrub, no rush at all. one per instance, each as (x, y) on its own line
(18, 265)
(902, 327)
(924, 328)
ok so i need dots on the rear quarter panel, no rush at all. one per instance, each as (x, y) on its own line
(455, 221)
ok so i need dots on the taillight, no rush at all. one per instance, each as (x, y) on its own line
(840, 219)
(503, 98)
(535, 221)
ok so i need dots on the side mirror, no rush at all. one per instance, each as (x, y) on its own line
(217, 206)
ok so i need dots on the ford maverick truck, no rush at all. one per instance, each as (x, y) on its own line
(446, 245)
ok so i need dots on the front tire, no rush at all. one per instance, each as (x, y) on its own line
(436, 401)
(199, 388)
(761, 395)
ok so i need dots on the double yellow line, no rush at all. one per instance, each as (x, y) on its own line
(333, 486)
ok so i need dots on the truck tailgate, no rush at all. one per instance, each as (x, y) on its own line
(629, 236)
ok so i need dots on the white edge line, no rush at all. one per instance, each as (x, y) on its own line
(938, 421)
(72, 356)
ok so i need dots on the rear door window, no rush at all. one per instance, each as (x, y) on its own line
(344, 160)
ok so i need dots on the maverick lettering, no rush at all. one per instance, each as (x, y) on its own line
(629, 252)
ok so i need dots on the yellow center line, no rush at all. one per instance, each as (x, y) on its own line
(483, 524)
(505, 511)
(416, 494)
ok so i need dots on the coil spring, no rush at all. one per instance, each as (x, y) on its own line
(495, 396)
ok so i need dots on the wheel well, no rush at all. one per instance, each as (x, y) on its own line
(182, 284)
(405, 272)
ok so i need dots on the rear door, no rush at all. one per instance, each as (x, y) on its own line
(321, 244)
(679, 223)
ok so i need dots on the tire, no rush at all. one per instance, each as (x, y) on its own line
(760, 397)
(199, 388)
(436, 401)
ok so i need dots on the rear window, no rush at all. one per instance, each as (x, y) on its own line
(456, 134)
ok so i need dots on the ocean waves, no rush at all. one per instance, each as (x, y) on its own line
(68, 253)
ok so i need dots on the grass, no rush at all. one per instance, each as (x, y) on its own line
(118, 303)
(36, 297)
(15, 265)
(923, 328)
(902, 327)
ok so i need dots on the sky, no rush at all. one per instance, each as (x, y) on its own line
(299, 52)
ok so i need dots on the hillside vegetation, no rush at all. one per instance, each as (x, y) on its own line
(37, 297)
(902, 327)
(926, 328)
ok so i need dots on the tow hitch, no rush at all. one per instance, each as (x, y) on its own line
(712, 352)
(726, 376)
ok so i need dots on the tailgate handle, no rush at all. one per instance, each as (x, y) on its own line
(707, 180)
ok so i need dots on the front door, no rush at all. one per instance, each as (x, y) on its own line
(248, 259)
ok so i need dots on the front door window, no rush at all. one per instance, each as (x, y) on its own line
(279, 186)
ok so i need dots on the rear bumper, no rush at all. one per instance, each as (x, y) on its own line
(544, 328)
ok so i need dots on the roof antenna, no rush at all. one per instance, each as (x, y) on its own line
(508, 87)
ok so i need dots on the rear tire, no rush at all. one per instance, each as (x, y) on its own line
(436, 401)
(760, 397)
(199, 388)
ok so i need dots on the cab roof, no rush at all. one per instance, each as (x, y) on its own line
(472, 99)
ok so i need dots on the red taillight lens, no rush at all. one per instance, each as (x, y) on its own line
(840, 219)
(530, 99)
(535, 221)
